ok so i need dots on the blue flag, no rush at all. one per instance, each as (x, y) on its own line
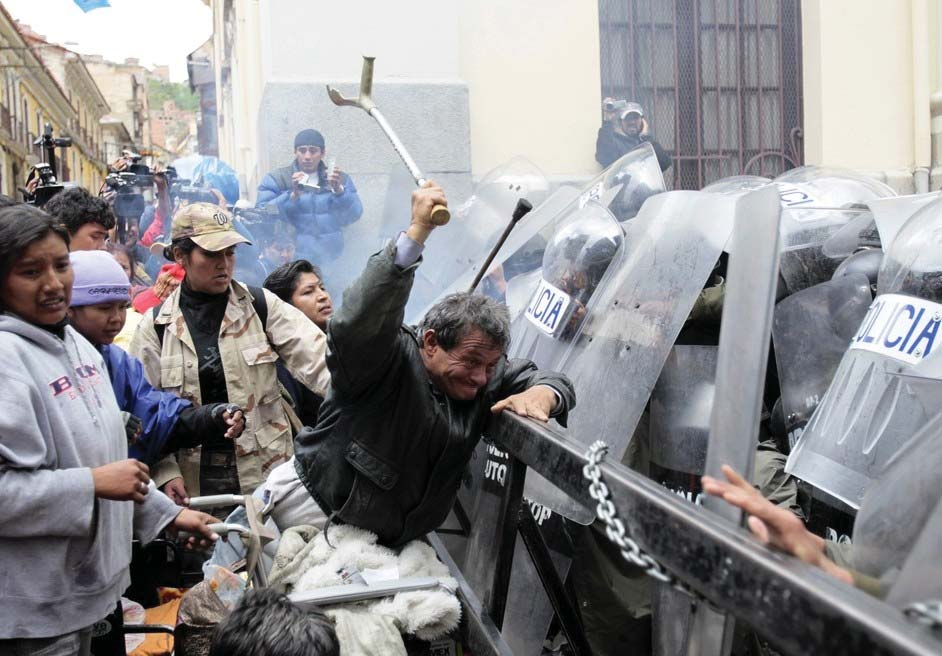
(88, 5)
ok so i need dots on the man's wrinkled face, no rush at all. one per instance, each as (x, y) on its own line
(89, 237)
(461, 372)
(308, 158)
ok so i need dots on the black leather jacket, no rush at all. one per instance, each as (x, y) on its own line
(389, 450)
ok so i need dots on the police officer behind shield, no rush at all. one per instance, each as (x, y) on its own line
(624, 128)
(318, 199)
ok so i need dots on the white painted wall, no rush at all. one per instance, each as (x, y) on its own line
(868, 76)
(533, 73)
(310, 40)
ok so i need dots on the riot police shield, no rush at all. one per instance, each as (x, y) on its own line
(897, 508)
(868, 412)
(890, 214)
(475, 227)
(817, 204)
(681, 405)
(621, 188)
(804, 262)
(628, 324)
(810, 332)
(821, 186)
(918, 589)
(737, 183)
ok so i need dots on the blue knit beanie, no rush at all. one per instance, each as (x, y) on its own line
(98, 279)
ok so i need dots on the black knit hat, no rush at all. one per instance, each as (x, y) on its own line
(309, 138)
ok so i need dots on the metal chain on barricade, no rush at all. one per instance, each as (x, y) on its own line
(926, 612)
(615, 527)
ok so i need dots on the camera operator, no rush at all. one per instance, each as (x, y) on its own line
(624, 128)
(87, 218)
(42, 184)
(130, 184)
(153, 219)
(319, 200)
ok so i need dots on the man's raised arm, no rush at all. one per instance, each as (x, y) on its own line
(362, 336)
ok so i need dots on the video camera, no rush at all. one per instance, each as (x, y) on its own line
(183, 190)
(615, 105)
(130, 187)
(46, 170)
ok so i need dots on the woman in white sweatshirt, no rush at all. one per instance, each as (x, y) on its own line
(70, 497)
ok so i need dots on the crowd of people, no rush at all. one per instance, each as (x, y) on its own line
(187, 351)
(133, 387)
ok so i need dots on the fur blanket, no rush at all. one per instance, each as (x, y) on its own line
(305, 561)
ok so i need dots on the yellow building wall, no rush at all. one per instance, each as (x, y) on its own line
(86, 171)
(869, 72)
(534, 80)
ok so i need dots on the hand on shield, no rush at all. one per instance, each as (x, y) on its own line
(424, 200)
(774, 526)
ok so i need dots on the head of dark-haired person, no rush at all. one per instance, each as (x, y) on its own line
(35, 273)
(87, 218)
(203, 242)
(463, 338)
(266, 623)
(301, 284)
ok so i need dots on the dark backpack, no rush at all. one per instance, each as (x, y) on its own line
(259, 304)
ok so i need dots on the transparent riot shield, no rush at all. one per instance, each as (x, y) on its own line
(822, 186)
(737, 183)
(891, 214)
(621, 188)
(817, 204)
(897, 506)
(615, 354)
(475, 227)
(681, 405)
(804, 262)
(578, 260)
(869, 412)
(810, 332)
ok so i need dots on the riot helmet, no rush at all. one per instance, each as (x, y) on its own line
(737, 183)
(913, 262)
(579, 254)
(633, 179)
(866, 261)
(817, 203)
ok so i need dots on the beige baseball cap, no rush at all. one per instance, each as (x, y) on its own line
(210, 226)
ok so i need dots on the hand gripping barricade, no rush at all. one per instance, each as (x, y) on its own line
(869, 412)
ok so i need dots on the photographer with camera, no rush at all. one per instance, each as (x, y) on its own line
(624, 128)
(317, 198)
(42, 184)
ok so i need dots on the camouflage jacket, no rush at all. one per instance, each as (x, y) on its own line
(249, 353)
